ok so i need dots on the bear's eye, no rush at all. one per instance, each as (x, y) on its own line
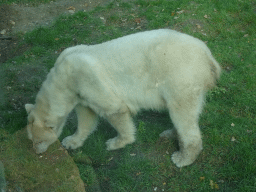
(31, 119)
(38, 143)
(50, 128)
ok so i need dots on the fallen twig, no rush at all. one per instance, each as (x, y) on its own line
(6, 38)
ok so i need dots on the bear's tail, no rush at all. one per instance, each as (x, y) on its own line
(215, 71)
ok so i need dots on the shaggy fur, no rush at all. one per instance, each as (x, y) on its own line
(159, 69)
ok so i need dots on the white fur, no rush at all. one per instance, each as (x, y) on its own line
(159, 69)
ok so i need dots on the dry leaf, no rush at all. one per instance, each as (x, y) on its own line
(137, 174)
(133, 154)
(246, 35)
(173, 13)
(232, 124)
(213, 185)
(233, 139)
(138, 20)
(202, 178)
(61, 149)
(198, 26)
(205, 16)
(12, 22)
(71, 8)
(3, 32)
(180, 12)
(56, 39)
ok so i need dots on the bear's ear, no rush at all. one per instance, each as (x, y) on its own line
(29, 107)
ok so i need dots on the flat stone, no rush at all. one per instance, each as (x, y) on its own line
(53, 170)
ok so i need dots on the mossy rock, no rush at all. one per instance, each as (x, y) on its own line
(53, 170)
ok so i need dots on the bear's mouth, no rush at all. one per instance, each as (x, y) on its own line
(38, 148)
(37, 143)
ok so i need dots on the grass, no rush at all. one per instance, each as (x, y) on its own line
(228, 123)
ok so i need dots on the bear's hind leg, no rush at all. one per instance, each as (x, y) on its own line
(184, 113)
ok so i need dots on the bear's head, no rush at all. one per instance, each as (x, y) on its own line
(41, 135)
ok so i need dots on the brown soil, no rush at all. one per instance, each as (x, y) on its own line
(15, 19)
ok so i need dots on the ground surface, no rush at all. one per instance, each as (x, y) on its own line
(22, 18)
(227, 122)
(27, 171)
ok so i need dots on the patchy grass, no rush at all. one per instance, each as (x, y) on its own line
(228, 123)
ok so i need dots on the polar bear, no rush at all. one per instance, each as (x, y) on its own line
(158, 69)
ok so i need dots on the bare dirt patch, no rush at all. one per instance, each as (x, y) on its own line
(21, 18)
(18, 18)
(31, 17)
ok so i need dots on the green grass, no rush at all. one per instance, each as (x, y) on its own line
(228, 123)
